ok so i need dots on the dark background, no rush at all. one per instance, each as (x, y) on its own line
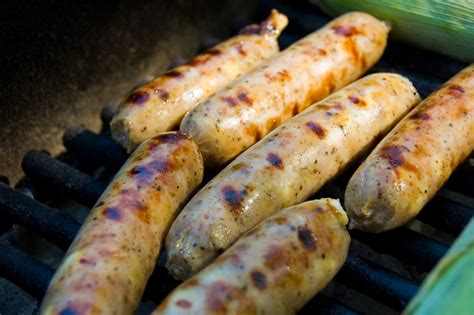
(61, 61)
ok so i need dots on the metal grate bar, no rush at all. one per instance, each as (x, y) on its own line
(45, 170)
(377, 282)
(408, 246)
(28, 273)
(94, 148)
(55, 226)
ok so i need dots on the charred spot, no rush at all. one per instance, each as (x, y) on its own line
(253, 131)
(233, 197)
(344, 30)
(204, 57)
(357, 101)
(229, 100)
(259, 280)
(243, 97)
(354, 99)
(112, 213)
(306, 238)
(174, 74)
(394, 155)
(163, 94)
(184, 304)
(456, 91)
(319, 209)
(138, 98)
(172, 138)
(276, 257)
(240, 49)
(316, 128)
(219, 294)
(84, 261)
(160, 166)
(275, 160)
(141, 173)
(421, 116)
(322, 52)
(295, 110)
(241, 167)
(213, 52)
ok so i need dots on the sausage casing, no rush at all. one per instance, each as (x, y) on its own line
(236, 117)
(411, 164)
(107, 266)
(160, 104)
(286, 167)
(274, 269)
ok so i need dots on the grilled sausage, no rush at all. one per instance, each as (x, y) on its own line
(274, 269)
(107, 266)
(285, 168)
(160, 104)
(239, 115)
(411, 164)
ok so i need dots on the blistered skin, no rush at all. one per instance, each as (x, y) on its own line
(161, 104)
(411, 164)
(274, 269)
(107, 266)
(245, 111)
(286, 168)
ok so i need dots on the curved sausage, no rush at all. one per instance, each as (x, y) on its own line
(276, 268)
(412, 163)
(160, 104)
(107, 266)
(245, 111)
(285, 168)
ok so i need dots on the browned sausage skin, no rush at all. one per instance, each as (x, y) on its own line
(286, 167)
(274, 269)
(160, 104)
(107, 266)
(239, 115)
(411, 164)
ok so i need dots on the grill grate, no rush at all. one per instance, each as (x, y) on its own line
(88, 152)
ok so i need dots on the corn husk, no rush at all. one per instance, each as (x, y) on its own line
(449, 288)
(446, 27)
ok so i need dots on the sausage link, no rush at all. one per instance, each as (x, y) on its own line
(161, 104)
(286, 168)
(239, 115)
(107, 266)
(276, 268)
(411, 164)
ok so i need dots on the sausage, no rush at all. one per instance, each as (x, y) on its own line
(411, 164)
(107, 266)
(276, 268)
(285, 168)
(236, 117)
(161, 104)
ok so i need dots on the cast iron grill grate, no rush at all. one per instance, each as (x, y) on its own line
(91, 159)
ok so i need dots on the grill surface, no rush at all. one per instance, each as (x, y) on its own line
(382, 272)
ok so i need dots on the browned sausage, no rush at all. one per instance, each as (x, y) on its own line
(107, 266)
(411, 164)
(274, 269)
(160, 104)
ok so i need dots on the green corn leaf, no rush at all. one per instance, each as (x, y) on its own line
(449, 288)
(446, 27)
